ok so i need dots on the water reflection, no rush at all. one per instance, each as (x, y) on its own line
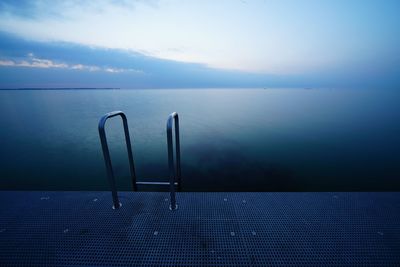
(232, 140)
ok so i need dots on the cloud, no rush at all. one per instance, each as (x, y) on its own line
(27, 63)
(85, 67)
(34, 62)
(280, 37)
(28, 9)
(117, 70)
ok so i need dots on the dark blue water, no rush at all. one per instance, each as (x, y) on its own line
(232, 140)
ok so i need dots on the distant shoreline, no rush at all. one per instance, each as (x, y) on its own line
(166, 88)
(63, 88)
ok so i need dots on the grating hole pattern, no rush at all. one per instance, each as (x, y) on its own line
(208, 229)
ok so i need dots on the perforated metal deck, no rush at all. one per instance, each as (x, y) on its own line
(221, 229)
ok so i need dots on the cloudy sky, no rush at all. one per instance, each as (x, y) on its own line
(170, 43)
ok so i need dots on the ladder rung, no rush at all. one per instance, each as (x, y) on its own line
(155, 183)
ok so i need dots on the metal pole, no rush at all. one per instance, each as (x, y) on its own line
(129, 149)
(178, 153)
(107, 158)
(175, 172)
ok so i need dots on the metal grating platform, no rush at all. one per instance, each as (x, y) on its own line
(220, 229)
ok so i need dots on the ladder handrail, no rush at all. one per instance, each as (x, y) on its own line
(107, 158)
(174, 172)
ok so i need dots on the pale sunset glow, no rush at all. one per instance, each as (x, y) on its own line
(320, 43)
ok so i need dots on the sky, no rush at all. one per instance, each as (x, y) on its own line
(196, 44)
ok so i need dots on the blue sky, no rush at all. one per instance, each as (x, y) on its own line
(175, 44)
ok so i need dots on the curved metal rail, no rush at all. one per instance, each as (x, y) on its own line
(107, 158)
(174, 171)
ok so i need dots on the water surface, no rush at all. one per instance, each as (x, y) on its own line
(231, 140)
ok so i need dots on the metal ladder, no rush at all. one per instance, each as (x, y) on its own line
(174, 170)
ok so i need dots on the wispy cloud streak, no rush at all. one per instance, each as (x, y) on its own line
(35, 62)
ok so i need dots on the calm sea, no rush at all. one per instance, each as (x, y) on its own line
(231, 140)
